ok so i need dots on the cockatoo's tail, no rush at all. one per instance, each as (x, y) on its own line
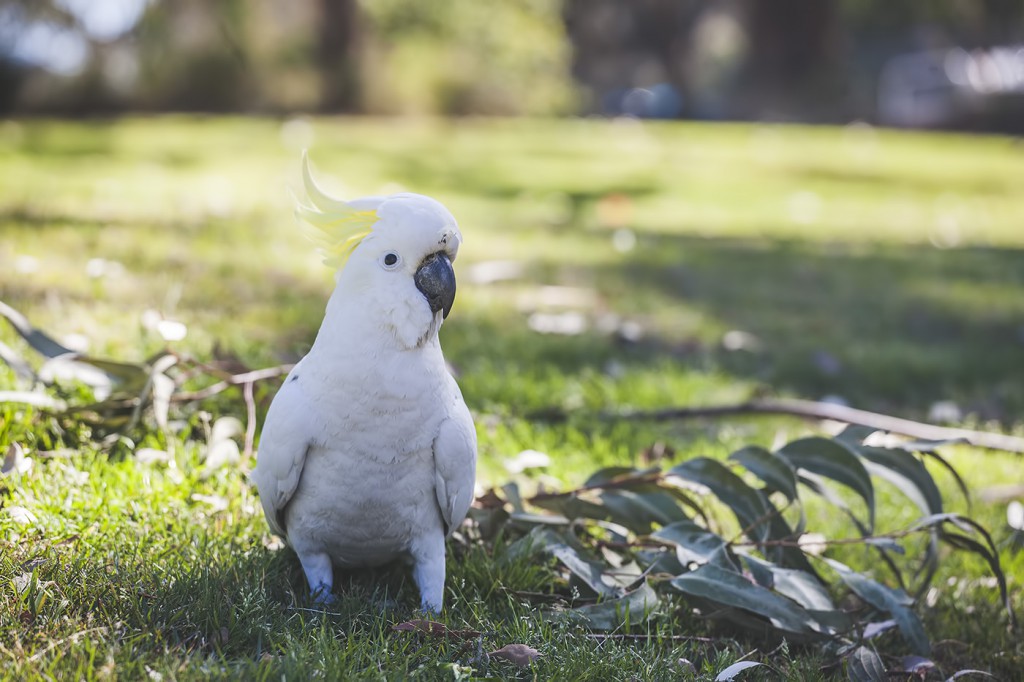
(342, 225)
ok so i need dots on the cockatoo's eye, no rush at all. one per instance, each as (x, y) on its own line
(390, 260)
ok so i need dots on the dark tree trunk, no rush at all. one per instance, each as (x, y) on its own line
(795, 48)
(338, 56)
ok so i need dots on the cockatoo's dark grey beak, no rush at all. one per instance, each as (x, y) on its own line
(436, 281)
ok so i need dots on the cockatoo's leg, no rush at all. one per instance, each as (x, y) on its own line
(320, 575)
(428, 570)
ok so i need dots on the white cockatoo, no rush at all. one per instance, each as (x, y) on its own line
(368, 453)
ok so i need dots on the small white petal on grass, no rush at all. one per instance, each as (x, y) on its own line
(631, 330)
(76, 342)
(225, 428)
(96, 268)
(76, 477)
(624, 240)
(149, 319)
(171, 330)
(527, 459)
(15, 461)
(151, 456)
(813, 543)
(1015, 515)
(566, 324)
(273, 543)
(804, 207)
(489, 272)
(26, 265)
(737, 339)
(21, 515)
(21, 582)
(221, 454)
(945, 411)
(216, 502)
(686, 666)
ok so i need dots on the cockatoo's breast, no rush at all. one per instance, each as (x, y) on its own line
(361, 510)
(371, 459)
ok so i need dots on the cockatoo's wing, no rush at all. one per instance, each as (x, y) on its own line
(282, 451)
(455, 463)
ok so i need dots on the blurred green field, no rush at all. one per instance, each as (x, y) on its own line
(606, 265)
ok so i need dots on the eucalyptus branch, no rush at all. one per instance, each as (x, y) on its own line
(810, 409)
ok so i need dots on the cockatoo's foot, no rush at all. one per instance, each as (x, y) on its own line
(320, 575)
(428, 572)
(323, 596)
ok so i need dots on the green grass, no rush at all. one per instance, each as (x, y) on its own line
(886, 268)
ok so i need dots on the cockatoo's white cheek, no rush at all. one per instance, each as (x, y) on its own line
(412, 321)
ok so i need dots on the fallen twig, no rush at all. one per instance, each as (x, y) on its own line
(233, 380)
(810, 409)
(250, 418)
(649, 638)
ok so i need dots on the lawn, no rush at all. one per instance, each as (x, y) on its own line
(607, 266)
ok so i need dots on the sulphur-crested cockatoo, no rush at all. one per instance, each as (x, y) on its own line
(368, 453)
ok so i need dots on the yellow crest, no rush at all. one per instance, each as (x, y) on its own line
(342, 227)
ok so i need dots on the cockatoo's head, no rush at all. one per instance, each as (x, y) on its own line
(394, 257)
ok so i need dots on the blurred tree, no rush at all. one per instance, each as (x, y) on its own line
(192, 55)
(795, 60)
(814, 60)
(467, 57)
(338, 55)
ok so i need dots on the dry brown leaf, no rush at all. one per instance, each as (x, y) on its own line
(489, 500)
(519, 654)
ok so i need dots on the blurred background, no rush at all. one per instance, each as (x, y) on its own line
(664, 200)
(939, 64)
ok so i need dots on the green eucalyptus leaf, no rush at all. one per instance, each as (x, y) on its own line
(897, 603)
(907, 473)
(640, 511)
(750, 507)
(21, 368)
(562, 547)
(835, 460)
(696, 545)
(40, 341)
(985, 548)
(776, 474)
(729, 588)
(636, 511)
(855, 434)
(661, 561)
(802, 587)
(786, 555)
(514, 497)
(944, 463)
(529, 519)
(612, 614)
(864, 665)
(617, 475)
